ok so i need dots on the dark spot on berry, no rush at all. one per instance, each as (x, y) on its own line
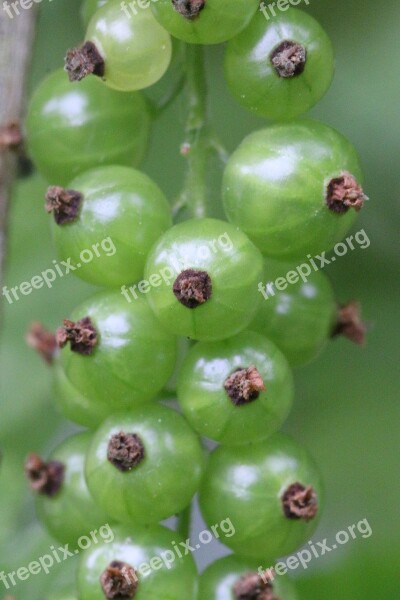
(244, 385)
(44, 478)
(289, 59)
(43, 341)
(300, 502)
(64, 204)
(253, 586)
(344, 193)
(349, 323)
(189, 8)
(81, 335)
(119, 581)
(83, 61)
(193, 288)
(125, 451)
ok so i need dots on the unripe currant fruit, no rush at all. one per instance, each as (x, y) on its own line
(235, 391)
(63, 501)
(271, 491)
(132, 565)
(204, 21)
(295, 189)
(128, 52)
(145, 465)
(74, 128)
(207, 274)
(115, 355)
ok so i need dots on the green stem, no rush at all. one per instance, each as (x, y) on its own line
(196, 147)
(184, 521)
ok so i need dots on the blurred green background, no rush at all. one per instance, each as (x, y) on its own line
(347, 403)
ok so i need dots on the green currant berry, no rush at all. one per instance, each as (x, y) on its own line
(207, 273)
(236, 391)
(63, 502)
(89, 8)
(119, 356)
(75, 405)
(126, 204)
(73, 128)
(235, 578)
(128, 51)
(144, 466)
(144, 563)
(298, 317)
(293, 188)
(271, 492)
(286, 65)
(204, 21)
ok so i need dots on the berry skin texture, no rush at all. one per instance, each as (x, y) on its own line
(136, 51)
(299, 319)
(248, 483)
(206, 403)
(286, 65)
(72, 128)
(141, 549)
(276, 188)
(130, 208)
(213, 21)
(193, 305)
(130, 363)
(71, 512)
(89, 8)
(151, 476)
(223, 579)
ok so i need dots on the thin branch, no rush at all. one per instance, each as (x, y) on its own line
(16, 38)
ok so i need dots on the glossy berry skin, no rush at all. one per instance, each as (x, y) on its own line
(72, 512)
(275, 188)
(207, 405)
(298, 319)
(229, 258)
(260, 88)
(72, 128)
(89, 8)
(246, 483)
(217, 22)
(123, 206)
(166, 479)
(219, 579)
(136, 50)
(132, 361)
(143, 549)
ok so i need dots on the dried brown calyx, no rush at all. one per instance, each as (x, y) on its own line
(81, 335)
(119, 581)
(189, 8)
(64, 204)
(300, 502)
(344, 193)
(192, 288)
(83, 61)
(289, 59)
(253, 586)
(43, 341)
(349, 323)
(125, 451)
(244, 385)
(44, 478)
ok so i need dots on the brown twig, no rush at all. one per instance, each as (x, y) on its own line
(16, 37)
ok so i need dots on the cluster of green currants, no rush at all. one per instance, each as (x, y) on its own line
(288, 190)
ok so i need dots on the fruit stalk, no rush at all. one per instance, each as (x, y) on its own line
(16, 37)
